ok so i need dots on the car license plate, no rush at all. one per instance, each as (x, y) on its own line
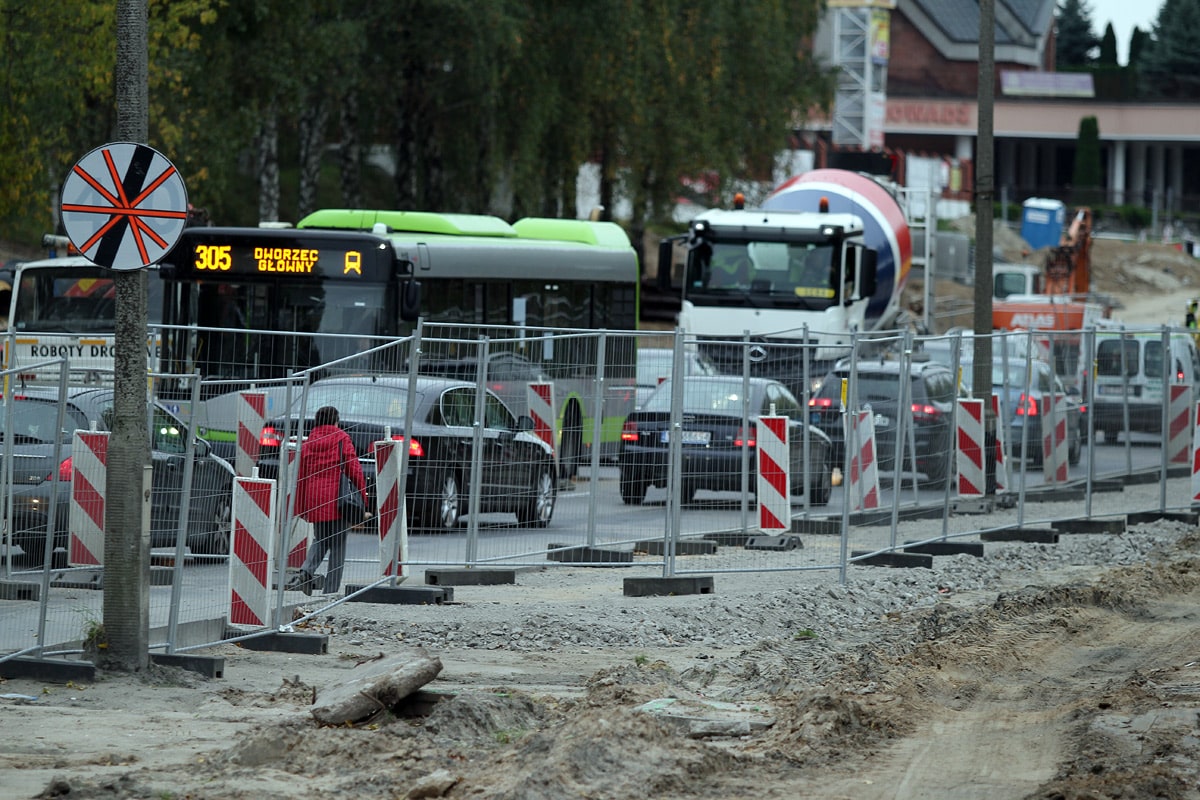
(1110, 389)
(881, 421)
(689, 437)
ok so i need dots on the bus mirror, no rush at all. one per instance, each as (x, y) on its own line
(666, 254)
(866, 278)
(410, 300)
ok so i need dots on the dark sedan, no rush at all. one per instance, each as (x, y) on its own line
(37, 476)
(517, 477)
(712, 439)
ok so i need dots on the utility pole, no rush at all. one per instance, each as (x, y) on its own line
(126, 540)
(984, 200)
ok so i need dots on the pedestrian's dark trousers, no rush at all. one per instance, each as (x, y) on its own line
(328, 537)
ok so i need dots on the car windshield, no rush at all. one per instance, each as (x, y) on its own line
(359, 400)
(34, 421)
(701, 397)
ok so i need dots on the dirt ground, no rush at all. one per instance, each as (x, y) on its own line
(1080, 685)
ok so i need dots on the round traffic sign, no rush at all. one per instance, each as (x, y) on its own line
(124, 205)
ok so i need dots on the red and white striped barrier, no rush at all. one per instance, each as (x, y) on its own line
(389, 497)
(971, 475)
(300, 536)
(251, 414)
(1179, 428)
(541, 408)
(864, 468)
(1196, 454)
(1002, 483)
(1054, 441)
(251, 551)
(85, 524)
(774, 479)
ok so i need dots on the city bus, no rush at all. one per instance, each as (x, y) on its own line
(252, 304)
(64, 308)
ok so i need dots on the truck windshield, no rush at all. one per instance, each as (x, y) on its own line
(770, 274)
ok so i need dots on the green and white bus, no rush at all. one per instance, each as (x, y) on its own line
(252, 304)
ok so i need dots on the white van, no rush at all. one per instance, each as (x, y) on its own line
(1145, 367)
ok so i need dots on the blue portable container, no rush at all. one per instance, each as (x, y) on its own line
(1042, 222)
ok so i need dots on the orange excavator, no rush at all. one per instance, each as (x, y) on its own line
(1068, 266)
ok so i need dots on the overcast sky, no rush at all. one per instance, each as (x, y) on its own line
(1124, 15)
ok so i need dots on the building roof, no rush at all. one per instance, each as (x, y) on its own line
(1023, 27)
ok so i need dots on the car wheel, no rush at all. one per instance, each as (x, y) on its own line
(215, 538)
(539, 508)
(1074, 451)
(687, 492)
(821, 483)
(441, 509)
(633, 488)
(1110, 434)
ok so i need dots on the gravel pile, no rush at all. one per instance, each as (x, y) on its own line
(574, 609)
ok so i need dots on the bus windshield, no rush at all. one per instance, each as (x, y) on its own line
(70, 299)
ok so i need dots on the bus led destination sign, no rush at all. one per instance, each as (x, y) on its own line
(226, 258)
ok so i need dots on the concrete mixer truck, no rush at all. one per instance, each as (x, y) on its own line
(829, 249)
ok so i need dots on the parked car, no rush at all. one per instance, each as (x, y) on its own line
(931, 402)
(712, 439)
(518, 474)
(508, 375)
(1026, 412)
(654, 365)
(36, 476)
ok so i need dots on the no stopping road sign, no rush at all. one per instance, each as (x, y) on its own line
(124, 205)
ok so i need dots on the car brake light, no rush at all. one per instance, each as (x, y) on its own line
(1027, 406)
(924, 411)
(741, 438)
(821, 402)
(1179, 377)
(64, 470)
(629, 432)
(269, 437)
(415, 448)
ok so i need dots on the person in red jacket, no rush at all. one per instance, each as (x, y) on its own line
(325, 456)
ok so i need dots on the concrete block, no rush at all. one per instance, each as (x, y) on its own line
(470, 577)
(208, 666)
(779, 543)
(314, 644)
(20, 590)
(1031, 535)
(589, 556)
(684, 547)
(660, 587)
(971, 505)
(953, 548)
(1140, 517)
(51, 670)
(1116, 526)
(905, 560)
(728, 538)
(401, 595)
(819, 527)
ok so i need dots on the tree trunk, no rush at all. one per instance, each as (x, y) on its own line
(350, 154)
(312, 144)
(268, 167)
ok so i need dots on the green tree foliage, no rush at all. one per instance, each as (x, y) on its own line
(471, 107)
(1138, 40)
(57, 98)
(1108, 47)
(1086, 177)
(1075, 41)
(1170, 64)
